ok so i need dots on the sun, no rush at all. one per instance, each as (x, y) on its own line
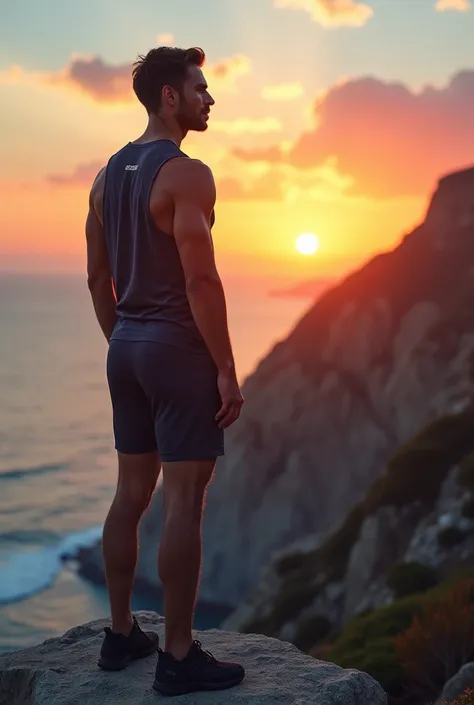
(307, 243)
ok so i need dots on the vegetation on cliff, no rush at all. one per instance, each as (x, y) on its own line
(414, 474)
(415, 644)
(466, 698)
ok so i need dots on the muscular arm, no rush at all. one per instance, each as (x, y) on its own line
(194, 196)
(99, 277)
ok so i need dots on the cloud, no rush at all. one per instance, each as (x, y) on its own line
(241, 126)
(390, 140)
(459, 5)
(165, 39)
(91, 75)
(266, 188)
(354, 13)
(283, 91)
(107, 83)
(230, 69)
(278, 182)
(83, 175)
(332, 13)
(237, 180)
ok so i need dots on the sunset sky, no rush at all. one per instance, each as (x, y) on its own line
(335, 117)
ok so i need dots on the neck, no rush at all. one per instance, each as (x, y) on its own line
(161, 128)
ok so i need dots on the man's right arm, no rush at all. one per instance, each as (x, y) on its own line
(194, 197)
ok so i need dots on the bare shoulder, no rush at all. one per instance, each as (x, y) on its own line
(99, 182)
(185, 172)
(96, 195)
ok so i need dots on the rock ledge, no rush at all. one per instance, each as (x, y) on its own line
(63, 671)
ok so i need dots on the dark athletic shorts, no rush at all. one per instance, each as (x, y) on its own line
(164, 398)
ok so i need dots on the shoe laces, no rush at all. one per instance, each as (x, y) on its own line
(207, 654)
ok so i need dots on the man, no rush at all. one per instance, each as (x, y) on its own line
(170, 367)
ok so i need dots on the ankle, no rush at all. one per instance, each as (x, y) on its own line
(179, 648)
(123, 626)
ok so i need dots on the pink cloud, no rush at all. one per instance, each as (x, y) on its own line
(101, 81)
(108, 83)
(83, 175)
(266, 188)
(390, 139)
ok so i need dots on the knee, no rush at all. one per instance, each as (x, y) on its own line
(185, 486)
(185, 507)
(134, 500)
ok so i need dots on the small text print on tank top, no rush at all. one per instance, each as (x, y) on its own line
(131, 167)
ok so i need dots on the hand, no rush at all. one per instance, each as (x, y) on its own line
(231, 397)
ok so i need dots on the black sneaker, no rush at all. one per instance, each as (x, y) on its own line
(198, 671)
(118, 650)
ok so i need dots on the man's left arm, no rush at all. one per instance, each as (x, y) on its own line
(99, 276)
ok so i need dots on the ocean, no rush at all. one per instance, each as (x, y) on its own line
(57, 462)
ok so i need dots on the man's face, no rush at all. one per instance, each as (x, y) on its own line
(195, 102)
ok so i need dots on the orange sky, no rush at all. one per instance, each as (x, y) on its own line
(349, 156)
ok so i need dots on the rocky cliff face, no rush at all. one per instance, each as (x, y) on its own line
(375, 358)
(354, 570)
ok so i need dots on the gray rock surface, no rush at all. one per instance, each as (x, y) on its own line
(457, 685)
(382, 541)
(63, 671)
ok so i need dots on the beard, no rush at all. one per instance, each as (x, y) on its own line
(188, 119)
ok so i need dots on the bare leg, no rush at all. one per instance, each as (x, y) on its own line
(137, 479)
(179, 557)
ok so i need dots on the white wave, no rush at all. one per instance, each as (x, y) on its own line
(26, 573)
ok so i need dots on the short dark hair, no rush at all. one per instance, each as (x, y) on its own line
(163, 66)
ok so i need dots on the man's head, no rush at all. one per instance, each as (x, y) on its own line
(169, 82)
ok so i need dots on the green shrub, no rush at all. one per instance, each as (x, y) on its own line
(330, 558)
(378, 659)
(409, 578)
(367, 642)
(414, 474)
(291, 563)
(334, 553)
(385, 622)
(468, 508)
(311, 631)
(290, 601)
(439, 642)
(417, 469)
(467, 698)
(450, 536)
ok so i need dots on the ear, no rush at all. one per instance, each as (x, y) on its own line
(169, 95)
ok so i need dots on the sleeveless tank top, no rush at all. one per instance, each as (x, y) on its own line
(148, 277)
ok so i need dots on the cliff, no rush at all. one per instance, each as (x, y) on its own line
(63, 671)
(398, 553)
(414, 527)
(375, 359)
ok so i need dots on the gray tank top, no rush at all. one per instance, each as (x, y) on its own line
(148, 277)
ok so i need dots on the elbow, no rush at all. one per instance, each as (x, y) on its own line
(98, 280)
(198, 282)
